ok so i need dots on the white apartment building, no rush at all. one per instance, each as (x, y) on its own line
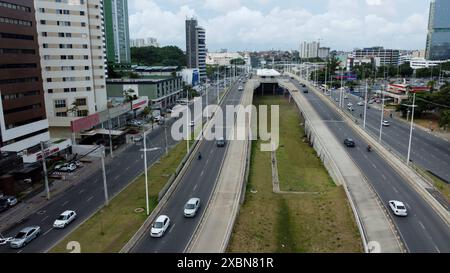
(72, 49)
(309, 50)
(222, 59)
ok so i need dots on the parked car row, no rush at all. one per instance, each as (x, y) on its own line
(68, 167)
(7, 202)
(28, 234)
(162, 223)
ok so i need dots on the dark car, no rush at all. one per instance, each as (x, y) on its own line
(220, 142)
(305, 91)
(3, 204)
(349, 142)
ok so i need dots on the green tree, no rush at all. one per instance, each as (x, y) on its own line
(158, 56)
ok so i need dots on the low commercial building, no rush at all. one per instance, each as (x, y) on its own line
(161, 93)
(157, 71)
(400, 91)
(418, 63)
(386, 56)
(222, 59)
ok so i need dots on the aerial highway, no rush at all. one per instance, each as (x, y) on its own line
(427, 150)
(198, 182)
(87, 196)
(422, 230)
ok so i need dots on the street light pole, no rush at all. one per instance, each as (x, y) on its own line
(411, 129)
(110, 136)
(382, 114)
(365, 106)
(105, 186)
(44, 166)
(146, 176)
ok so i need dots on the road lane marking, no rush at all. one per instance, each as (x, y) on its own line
(374, 166)
(127, 168)
(47, 231)
(201, 174)
(45, 218)
(195, 187)
(421, 224)
(89, 199)
(117, 177)
(395, 189)
(171, 228)
(82, 190)
(384, 177)
(65, 203)
(20, 251)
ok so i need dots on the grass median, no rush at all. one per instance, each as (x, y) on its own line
(292, 223)
(110, 229)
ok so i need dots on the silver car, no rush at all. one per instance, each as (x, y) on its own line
(25, 236)
(191, 207)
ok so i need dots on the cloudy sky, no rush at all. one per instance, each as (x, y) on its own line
(283, 24)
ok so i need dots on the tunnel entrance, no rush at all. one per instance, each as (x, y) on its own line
(268, 89)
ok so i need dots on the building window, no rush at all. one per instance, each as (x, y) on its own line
(60, 104)
(81, 102)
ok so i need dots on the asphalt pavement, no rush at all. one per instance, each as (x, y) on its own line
(422, 230)
(428, 151)
(88, 196)
(199, 181)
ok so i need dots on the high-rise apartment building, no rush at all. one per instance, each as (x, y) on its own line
(23, 123)
(143, 43)
(196, 47)
(438, 39)
(117, 32)
(309, 50)
(71, 41)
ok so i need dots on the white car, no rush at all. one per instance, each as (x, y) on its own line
(70, 167)
(11, 201)
(398, 208)
(350, 104)
(345, 97)
(64, 219)
(386, 123)
(160, 226)
(192, 123)
(361, 103)
(191, 207)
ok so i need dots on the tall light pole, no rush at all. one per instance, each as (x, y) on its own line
(382, 114)
(365, 106)
(105, 186)
(147, 201)
(411, 129)
(44, 166)
(110, 135)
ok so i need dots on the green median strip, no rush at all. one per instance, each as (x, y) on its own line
(317, 220)
(109, 229)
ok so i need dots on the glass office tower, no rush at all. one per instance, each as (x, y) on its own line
(438, 40)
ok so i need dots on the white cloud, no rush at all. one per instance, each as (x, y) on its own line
(222, 5)
(344, 25)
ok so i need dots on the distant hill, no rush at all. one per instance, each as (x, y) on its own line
(158, 56)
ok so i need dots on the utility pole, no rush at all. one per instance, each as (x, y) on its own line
(365, 106)
(110, 136)
(411, 129)
(382, 114)
(44, 166)
(105, 186)
(146, 176)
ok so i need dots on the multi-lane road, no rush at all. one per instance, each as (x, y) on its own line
(427, 150)
(422, 230)
(88, 195)
(199, 181)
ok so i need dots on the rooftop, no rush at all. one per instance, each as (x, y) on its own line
(267, 73)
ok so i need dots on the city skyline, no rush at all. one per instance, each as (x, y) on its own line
(242, 26)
